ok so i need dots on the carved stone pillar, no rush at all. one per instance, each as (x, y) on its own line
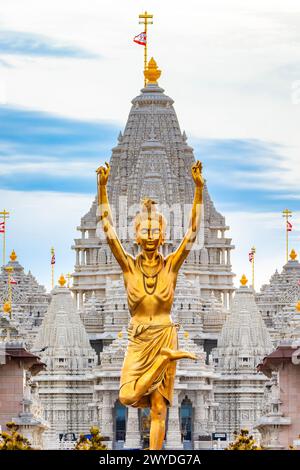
(200, 426)
(225, 294)
(83, 257)
(133, 436)
(228, 257)
(107, 420)
(173, 440)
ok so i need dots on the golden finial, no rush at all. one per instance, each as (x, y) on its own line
(243, 280)
(13, 256)
(293, 255)
(186, 335)
(152, 73)
(7, 307)
(120, 335)
(298, 306)
(62, 280)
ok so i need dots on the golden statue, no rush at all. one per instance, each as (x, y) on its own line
(148, 372)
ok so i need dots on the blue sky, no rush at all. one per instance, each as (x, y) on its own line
(68, 74)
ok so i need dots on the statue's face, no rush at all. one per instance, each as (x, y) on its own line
(149, 234)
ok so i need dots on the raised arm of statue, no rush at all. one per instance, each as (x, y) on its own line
(107, 220)
(190, 236)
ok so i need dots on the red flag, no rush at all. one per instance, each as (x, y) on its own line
(251, 256)
(2, 227)
(12, 280)
(141, 39)
(53, 259)
(289, 226)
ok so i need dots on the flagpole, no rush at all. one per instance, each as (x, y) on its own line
(146, 17)
(253, 249)
(286, 214)
(52, 267)
(4, 215)
(9, 270)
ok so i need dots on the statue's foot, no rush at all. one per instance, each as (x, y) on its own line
(175, 355)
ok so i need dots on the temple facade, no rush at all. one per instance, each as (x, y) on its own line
(243, 343)
(81, 336)
(152, 158)
(65, 386)
(29, 299)
(277, 299)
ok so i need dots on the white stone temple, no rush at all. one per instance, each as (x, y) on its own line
(277, 299)
(29, 299)
(152, 158)
(243, 343)
(65, 387)
(81, 337)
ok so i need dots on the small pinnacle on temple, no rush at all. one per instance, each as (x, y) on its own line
(243, 280)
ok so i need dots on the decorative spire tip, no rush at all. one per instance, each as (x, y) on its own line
(243, 280)
(62, 281)
(152, 72)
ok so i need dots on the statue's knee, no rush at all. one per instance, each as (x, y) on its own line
(126, 398)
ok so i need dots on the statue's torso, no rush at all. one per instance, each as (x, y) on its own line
(145, 306)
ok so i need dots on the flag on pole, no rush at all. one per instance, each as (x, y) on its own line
(289, 226)
(12, 280)
(2, 227)
(251, 256)
(141, 39)
(53, 259)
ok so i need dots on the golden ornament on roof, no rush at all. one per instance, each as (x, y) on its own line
(7, 307)
(293, 255)
(62, 280)
(243, 280)
(152, 73)
(13, 256)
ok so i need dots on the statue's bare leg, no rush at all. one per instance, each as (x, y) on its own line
(133, 391)
(175, 355)
(158, 415)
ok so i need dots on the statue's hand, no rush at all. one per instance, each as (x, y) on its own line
(103, 174)
(197, 174)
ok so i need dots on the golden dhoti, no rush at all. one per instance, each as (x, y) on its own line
(144, 344)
